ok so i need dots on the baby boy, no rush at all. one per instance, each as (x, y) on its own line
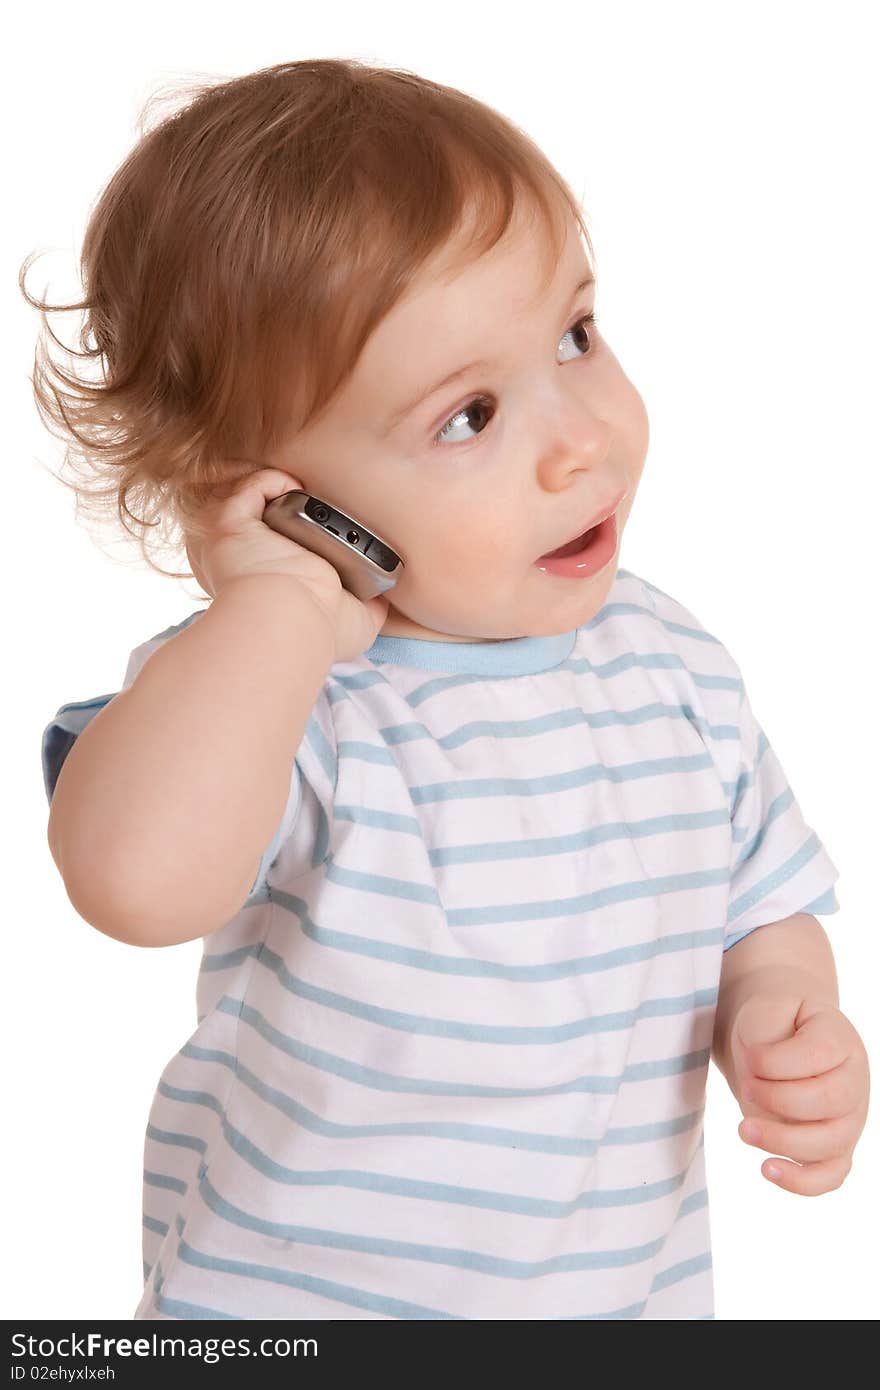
(487, 869)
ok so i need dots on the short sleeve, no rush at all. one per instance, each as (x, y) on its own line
(70, 719)
(61, 734)
(778, 865)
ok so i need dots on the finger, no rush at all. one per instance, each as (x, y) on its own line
(259, 488)
(241, 499)
(806, 1142)
(810, 1180)
(818, 1046)
(825, 1097)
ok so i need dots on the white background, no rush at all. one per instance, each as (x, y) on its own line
(726, 157)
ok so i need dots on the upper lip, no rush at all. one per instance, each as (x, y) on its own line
(588, 526)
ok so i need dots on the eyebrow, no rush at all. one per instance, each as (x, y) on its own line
(393, 420)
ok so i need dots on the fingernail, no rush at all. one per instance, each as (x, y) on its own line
(773, 1171)
(751, 1132)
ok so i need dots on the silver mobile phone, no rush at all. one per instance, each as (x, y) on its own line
(365, 563)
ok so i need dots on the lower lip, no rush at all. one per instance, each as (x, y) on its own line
(599, 550)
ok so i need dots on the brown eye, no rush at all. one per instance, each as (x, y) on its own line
(477, 407)
(480, 403)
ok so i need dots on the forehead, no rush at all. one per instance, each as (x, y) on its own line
(445, 317)
(522, 266)
(524, 270)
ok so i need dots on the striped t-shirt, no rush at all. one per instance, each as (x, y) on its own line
(450, 1057)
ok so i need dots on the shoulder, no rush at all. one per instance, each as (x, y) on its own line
(694, 653)
(670, 658)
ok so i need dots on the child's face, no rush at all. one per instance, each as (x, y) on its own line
(561, 435)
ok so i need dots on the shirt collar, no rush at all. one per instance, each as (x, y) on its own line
(514, 656)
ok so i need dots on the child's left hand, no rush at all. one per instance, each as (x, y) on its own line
(802, 1078)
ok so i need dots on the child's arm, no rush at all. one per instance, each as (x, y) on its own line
(794, 1062)
(168, 798)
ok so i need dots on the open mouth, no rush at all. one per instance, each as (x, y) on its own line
(572, 547)
(586, 555)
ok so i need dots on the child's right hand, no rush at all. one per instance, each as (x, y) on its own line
(238, 542)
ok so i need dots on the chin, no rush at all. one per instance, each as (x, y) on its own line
(556, 618)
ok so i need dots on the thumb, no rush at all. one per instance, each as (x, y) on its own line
(762, 1019)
